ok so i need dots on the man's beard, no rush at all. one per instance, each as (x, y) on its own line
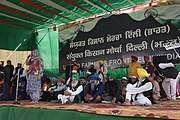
(74, 84)
(93, 85)
(59, 84)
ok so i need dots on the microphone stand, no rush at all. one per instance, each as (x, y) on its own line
(17, 85)
(70, 73)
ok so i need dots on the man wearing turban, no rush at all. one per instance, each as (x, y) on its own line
(94, 90)
(113, 89)
(141, 92)
(148, 66)
(171, 76)
(102, 71)
(72, 94)
(133, 65)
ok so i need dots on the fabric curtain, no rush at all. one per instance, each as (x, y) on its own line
(48, 46)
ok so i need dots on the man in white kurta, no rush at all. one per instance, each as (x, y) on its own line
(132, 91)
(72, 91)
(172, 75)
(136, 92)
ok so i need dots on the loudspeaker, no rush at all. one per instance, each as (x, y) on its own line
(159, 59)
(68, 71)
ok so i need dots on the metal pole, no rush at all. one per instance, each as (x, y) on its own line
(17, 86)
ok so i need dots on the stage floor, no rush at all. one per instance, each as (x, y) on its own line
(166, 109)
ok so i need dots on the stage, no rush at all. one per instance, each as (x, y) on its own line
(54, 111)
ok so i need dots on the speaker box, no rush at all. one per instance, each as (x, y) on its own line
(159, 59)
(68, 71)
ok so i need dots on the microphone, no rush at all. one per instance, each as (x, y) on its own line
(29, 56)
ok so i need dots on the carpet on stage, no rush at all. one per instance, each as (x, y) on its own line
(57, 111)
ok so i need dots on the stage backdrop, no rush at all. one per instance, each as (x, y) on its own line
(119, 36)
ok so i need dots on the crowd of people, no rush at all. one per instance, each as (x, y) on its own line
(146, 83)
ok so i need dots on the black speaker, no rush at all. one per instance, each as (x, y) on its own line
(159, 59)
(68, 71)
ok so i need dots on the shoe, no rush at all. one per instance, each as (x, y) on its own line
(155, 105)
(126, 103)
(64, 101)
(55, 101)
(119, 103)
(32, 101)
(68, 101)
(36, 101)
(106, 102)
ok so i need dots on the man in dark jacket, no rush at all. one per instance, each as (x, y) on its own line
(8, 71)
(113, 89)
(1, 66)
(94, 90)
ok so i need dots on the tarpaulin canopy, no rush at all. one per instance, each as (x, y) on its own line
(36, 14)
(19, 18)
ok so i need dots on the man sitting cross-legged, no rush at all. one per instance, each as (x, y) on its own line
(113, 89)
(72, 94)
(140, 93)
(93, 90)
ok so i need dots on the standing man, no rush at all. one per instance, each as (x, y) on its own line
(34, 75)
(172, 75)
(8, 71)
(102, 71)
(1, 66)
(22, 74)
(148, 66)
(133, 65)
(1, 85)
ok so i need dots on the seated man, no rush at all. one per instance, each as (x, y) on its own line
(93, 90)
(156, 88)
(124, 81)
(45, 87)
(92, 69)
(58, 90)
(72, 94)
(69, 80)
(52, 92)
(141, 91)
(84, 82)
(113, 89)
(133, 80)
